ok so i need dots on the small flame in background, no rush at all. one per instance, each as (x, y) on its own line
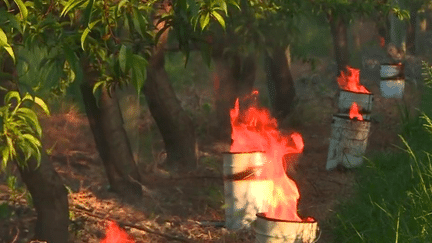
(351, 81)
(254, 129)
(381, 41)
(354, 112)
(114, 234)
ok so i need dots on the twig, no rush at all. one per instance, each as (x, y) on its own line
(16, 236)
(130, 225)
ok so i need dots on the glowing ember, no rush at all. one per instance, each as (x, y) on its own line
(253, 129)
(354, 112)
(114, 234)
(351, 81)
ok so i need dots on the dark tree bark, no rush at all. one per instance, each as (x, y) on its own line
(175, 126)
(49, 199)
(106, 123)
(234, 77)
(411, 31)
(280, 81)
(338, 29)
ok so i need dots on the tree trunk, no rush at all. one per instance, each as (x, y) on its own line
(280, 81)
(49, 199)
(411, 32)
(106, 123)
(233, 78)
(175, 126)
(338, 29)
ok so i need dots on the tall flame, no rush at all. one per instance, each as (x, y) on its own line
(254, 129)
(351, 81)
(354, 112)
(114, 234)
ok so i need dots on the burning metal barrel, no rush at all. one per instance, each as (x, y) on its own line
(364, 100)
(270, 230)
(245, 194)
(348, 141)
(392, 80)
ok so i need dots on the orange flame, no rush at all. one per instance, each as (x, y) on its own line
(255, 130)
(114, 234)
(381, 41)
(351, 81)
(354, 112)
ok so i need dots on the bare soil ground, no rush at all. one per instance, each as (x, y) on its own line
(181, 207)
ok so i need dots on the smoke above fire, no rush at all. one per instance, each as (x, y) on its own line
(254, 129)
(350, 81)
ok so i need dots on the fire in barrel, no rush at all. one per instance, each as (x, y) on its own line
(254, 129)
(348, 139)
(352, 91)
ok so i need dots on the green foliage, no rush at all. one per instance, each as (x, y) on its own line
(20, 129)
(427, 74)
(4, 44)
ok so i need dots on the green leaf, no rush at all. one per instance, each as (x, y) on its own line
(219, 18)
(5, 156)
(32, 118)
(42, 105)
(204, 20)
(23, 9)
(4, 44)
(70, 5)
(96, 86)
(122, 58)
(32, 140)
(74, 63)
(139, 22)
(7, 3)
(87, 31)
(87, 13)
(139, 72)
(10, 95)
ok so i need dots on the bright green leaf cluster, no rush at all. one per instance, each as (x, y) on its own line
(20, 129)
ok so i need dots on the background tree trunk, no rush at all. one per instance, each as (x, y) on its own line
(49, 199)
(338, 29)
(280, 81)
(175, 126)
(411, 32)
(225, 94)
(106, 123)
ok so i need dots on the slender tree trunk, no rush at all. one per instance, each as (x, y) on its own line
(411, 32)
(175, 126)
(340, 41)
(49, 199)
(110, 136)
(225, 95)
(280, 81)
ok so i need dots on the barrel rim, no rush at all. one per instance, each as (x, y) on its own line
(349, 91)
(346, 116)
(392, 64)
(393, 79)
(251, 152)
(261, 215)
